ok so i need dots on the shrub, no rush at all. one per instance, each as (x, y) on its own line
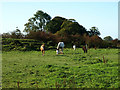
(20, 44)
(94, 41)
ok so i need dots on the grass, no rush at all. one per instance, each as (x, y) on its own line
(73, 69)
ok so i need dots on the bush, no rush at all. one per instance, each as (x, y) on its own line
(94, 41)
(20, 44)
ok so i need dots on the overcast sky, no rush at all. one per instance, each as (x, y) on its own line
(103, 15)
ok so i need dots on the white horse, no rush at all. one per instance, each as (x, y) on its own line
(74, 47)
(60, 46)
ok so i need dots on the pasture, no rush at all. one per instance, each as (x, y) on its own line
(73, 69)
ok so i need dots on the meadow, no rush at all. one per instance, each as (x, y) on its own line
(73, 69)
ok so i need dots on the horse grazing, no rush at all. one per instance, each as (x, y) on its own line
(74, 47)
(60, 47)
(84, 49)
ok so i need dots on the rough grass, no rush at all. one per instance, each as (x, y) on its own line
(73, 69)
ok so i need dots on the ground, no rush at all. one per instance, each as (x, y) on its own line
(73, 69)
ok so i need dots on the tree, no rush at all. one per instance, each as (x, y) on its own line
(115, 42)
(71, 27)
(38, 22)
(63, 26)
(6, 35)
(108, 38)
(16, 34)
(55, 24)
(94, 31)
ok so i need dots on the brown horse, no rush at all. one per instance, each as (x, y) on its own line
(84, 49)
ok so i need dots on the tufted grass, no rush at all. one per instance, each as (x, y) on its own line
(73, 69)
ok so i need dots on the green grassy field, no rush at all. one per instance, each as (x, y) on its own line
(73, 69)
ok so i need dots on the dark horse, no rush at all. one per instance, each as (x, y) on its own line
(84, 49)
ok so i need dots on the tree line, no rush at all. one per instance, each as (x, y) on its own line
(44, 28)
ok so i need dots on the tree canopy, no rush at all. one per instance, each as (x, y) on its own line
(60, 26)
(108, 38)
(69, 27)
(94, 31)
(41, 21)
(55, 24)
(37, 22)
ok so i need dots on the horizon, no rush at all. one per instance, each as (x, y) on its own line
(103, 15)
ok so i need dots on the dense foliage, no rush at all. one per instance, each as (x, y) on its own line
(55, 24)
(108, 38)
(31, 44)
(62, 27)
(38, 22)
(94, 31)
